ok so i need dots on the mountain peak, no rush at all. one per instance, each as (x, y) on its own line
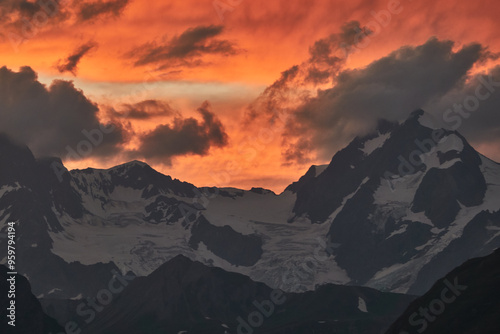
(261, 191)
(131, 164)
(420, 117)
(17, 163)
(179, 260)
(385, 126)
(416, 114)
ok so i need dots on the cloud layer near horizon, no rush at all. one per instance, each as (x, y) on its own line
(60, 120)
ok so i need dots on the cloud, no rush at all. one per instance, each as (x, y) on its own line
(91, 10)
(391, 87)
(185, 49)
(27, 17)
(11, 8)
(51, 119)
(327, 56)
(143, 110)
(28, 8)
(70, 64)
(24, 19)
(317, 124)
(60, 120)
(184, 136)
(473, 109)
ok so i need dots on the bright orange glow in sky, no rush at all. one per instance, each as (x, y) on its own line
(257, 41)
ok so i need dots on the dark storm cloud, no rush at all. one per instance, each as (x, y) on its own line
(473, 109)
(407, 79)
(51, 119)
(391, 87)
(70, 64)
(91, 10)
(185, 49)
(143, 110)
(184, 136)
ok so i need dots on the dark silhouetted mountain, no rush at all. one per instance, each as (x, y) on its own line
(466, 301)
(29, 316)
(184, 296)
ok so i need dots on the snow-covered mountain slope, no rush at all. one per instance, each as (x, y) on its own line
(241, 231)
(132, 218)
(394, 210)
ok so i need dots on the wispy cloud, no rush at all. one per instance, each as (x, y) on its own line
(70, 63)
(327, 56)
(92, 10)
(186, 49)
(143, 110)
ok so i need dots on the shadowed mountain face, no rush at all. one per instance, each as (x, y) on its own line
(188, 297)
(32, 196)
(466, 301)
(29, 316)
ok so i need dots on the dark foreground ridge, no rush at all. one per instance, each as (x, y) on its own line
(466, 301)
(29, 316)
(189, 297)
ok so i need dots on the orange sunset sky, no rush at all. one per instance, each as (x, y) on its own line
(206, 91)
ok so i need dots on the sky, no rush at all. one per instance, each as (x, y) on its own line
(235, 92)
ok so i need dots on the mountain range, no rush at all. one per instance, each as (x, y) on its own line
(395, 210)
